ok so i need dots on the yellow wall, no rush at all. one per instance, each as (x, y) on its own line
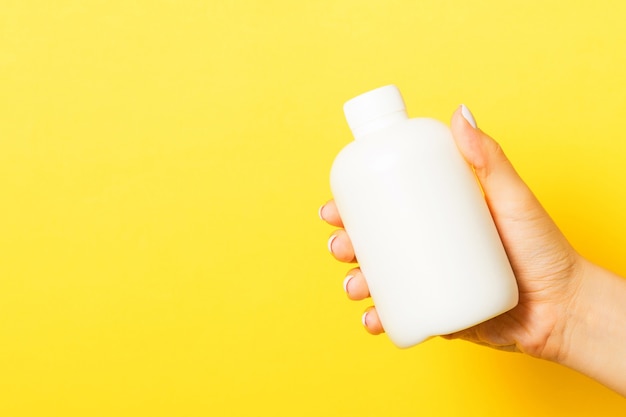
(161, 166)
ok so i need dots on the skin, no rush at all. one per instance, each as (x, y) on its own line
(571, 311)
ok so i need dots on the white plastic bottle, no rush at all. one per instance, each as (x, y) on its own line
(418, 221)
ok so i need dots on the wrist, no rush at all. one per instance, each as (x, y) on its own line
(563, 315)
(590, 334)
(573, 315)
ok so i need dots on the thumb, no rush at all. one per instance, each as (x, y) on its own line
(504, 190)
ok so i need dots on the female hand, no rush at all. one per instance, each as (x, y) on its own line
(547, 268)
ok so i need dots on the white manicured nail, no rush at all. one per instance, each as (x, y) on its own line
(364, 319)
(319, 212)
(345, 282)
(330, 243)
(467, 114)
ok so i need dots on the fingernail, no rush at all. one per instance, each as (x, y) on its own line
(467, 115)
(364, 319)
(319, 212)
(345, 282)
(330, 243)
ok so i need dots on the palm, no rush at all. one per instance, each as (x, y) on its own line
(546, 267)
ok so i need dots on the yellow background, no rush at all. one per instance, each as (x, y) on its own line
(161, 167)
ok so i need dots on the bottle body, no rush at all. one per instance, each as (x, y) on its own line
(421, 231)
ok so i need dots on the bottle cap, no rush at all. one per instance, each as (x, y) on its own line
(372, 105)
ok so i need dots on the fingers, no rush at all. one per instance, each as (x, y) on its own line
(491, 165)
(371, 322)
(355, 286)
(339, 243)
(340, 246)
(354, 283)
(329, 213)
(499, 180)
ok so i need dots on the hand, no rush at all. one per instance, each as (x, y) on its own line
(547, 268)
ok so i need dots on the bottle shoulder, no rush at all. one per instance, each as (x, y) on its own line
(415, 143)
(409, 134)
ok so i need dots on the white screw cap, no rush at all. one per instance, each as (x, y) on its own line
(372, 105)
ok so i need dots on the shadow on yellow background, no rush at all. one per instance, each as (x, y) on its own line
(162, 162)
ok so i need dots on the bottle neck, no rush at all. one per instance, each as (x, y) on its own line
(379, 123)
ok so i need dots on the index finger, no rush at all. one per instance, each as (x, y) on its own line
(329, 213)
